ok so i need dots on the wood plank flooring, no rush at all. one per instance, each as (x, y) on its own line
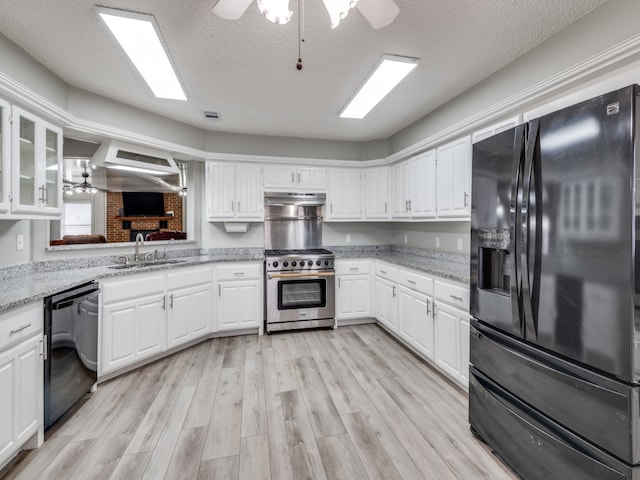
(349, 403)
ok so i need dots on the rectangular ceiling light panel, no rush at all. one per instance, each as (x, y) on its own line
(388, 72)
(139, 37)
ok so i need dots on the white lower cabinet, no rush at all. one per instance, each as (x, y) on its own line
(385, 294)
(145, 314)
(447, 339)
(415, 322)
(239, 289)
(353, 289)
(21, 381)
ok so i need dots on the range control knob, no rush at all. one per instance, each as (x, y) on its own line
(285, 264)
(275, 264)
(318, 262)
(293, 264)
(326, 262)
(302, 263)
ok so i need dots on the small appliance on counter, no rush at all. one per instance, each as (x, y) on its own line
(299, 273)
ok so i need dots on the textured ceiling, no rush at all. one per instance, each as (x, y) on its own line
(245, 69)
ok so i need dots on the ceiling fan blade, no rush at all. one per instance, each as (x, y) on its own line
(379, 13)
(231, 9)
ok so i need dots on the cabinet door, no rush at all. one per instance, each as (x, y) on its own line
(377, 200)
(353, 297)
(249, 193)
(132, 330)
(311, 178)
(179, 317)
(423, 333)
(220, 189)
(52, 175)
(27, 194)
(454, 178)
(401, 190)
(447, 340)
(423, 186)
(239, 304)
(7, 404)
(5, 155)
(279, 177)
(405, 314)
(343, 194)
(385, 302)
(29, 389)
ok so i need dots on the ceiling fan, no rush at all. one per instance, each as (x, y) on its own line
(379, 13)
(82, 187)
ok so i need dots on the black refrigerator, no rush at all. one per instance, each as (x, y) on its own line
(554, 383)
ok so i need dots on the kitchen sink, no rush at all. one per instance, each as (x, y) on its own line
(149, 263)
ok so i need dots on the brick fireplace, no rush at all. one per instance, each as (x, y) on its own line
(115, 224)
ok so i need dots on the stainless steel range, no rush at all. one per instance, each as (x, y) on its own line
(300, 289)
(299, 278)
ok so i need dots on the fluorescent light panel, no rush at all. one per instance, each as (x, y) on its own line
(388, 72)
(138, 170)
(139, 37)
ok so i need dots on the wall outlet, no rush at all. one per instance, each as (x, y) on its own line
(19, 242)
(437, 242)
(348, 239)
(406, 239)
(459, 244)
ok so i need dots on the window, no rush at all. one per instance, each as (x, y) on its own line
(76, 218)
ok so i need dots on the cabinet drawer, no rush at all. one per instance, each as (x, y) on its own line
(456, 295)
(385, 270)
(20, 323)
(353, 267)
(238, 271)
(132, 286)
(189, 277)
(415, 281)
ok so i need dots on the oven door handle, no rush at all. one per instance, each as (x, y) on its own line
(300, 275)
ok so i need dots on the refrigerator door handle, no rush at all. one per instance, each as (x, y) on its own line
(514, 220)
(527, 265)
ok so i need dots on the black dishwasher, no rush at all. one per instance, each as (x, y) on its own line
(71, 360)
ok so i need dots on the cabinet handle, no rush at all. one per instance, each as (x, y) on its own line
(339, 282)
(410, 205)
(394, 291)
(466, 199)
(354, 269)
(219, 290)
(238, 205)
(164, 302)
(460, 299)
(19, 329)
(331, 207)
(385, 207)
(293, 179)
(428, 307)
(171, 301)
(238, 274)
(411, 282)
(232, 205)
(382, 271)
(298, 178)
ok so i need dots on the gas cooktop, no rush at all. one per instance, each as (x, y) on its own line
(307, 251)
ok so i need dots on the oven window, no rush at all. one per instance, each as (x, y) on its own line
(302, 294)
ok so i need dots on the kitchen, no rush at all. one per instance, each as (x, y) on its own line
(564, 73)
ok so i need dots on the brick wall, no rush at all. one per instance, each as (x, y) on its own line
(115, 232)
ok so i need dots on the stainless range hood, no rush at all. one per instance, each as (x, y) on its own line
(134, 158)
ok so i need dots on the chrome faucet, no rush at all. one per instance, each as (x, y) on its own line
(139, 241)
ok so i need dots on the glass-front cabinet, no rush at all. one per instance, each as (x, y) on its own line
(37, 165)
(5, 155)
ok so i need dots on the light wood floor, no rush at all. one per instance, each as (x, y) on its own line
(349, 403)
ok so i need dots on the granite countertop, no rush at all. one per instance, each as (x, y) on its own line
(452, 266)
(28, 283)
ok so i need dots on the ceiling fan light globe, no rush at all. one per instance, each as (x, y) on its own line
(276, 11)
(338, 10)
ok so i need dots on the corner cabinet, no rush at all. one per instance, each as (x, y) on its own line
(376, 188)
(234, 192)
(239, 287)
(414, 187)
(344, 194)
(37, 165)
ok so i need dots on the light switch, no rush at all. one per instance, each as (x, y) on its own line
(20, 242)
(348, 239)
(459, 244)
(437, 242)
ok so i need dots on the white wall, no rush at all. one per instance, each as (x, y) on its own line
(427, 235)
(9, 229)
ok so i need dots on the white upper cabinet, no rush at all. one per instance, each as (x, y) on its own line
(414, 187)
(234, 192)
(376, 187)
(344, 194)
(498, 127)
(37, 165)
(454, 179)
(291, 178)
(5, 155)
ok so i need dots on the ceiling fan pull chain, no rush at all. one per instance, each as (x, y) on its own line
(300, 32)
